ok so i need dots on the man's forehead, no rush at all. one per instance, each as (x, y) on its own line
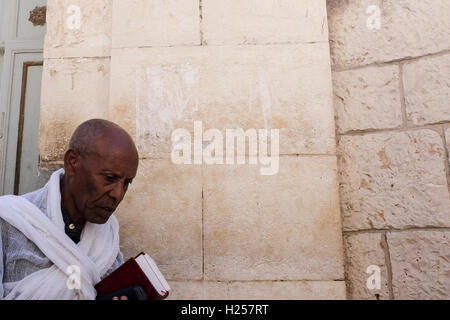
(110, 164)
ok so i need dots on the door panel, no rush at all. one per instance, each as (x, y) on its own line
(23, 122)
(27, 158)
(25, 28)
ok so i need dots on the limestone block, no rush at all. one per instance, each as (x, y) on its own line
(257, 290)
(287, 290)
(73, 90)
(280, 227)
(420, 264)
(393, 180)
(405, 29)
(364, 251)
(78, 28)
(161, 215)
(286, 87)
(198, 290)
(262, 22)
(427, 90)
(155, 23)
(367, 98)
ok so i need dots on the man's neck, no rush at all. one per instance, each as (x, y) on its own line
(68, 204)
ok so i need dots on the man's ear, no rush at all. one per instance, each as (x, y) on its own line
(71, 162)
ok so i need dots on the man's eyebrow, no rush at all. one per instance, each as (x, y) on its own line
(110, 172)
(107, 171)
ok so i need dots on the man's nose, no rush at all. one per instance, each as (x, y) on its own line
(117, 192)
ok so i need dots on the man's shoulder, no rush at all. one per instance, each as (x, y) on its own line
(33, 196)
(38, 198)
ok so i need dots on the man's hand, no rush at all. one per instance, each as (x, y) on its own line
(121, 298)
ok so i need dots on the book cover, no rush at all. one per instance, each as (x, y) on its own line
(127, 275)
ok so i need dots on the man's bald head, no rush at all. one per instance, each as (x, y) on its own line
(101, 162)
(94, 133)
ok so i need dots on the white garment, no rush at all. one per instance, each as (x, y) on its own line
(93, 255)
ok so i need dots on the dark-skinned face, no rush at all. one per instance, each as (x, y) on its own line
(98, 181)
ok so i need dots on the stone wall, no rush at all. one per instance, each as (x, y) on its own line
(221, 231)
(216, 231)
(392, 106)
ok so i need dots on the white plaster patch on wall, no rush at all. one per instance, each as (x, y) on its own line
(163, 95)
(263, 7)
(261, 93)
(274, 8)
(101, 40)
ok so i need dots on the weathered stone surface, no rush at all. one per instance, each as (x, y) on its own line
(407, 28)
(286, 87)
(78, 28)
(280, 227)
(155, 23)
(198, 290)
(393, 180)
(288, 290)
(362, 251)
(427, 89)
(367, 98)
(162, 216)
(420, 264)
(447, 139)
(263, 21)
(73, 90)
(260, 290)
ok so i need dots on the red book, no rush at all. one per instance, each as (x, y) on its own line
(140, 270)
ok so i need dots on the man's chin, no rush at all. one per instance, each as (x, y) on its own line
(100, 218)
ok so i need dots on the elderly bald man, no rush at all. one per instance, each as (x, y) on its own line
(59, 241)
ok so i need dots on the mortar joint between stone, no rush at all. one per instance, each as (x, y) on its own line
(388, 264)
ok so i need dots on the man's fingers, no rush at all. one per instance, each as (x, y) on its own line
(123, 298)
(115, 298)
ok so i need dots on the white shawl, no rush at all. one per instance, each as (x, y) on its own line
(94, 254)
